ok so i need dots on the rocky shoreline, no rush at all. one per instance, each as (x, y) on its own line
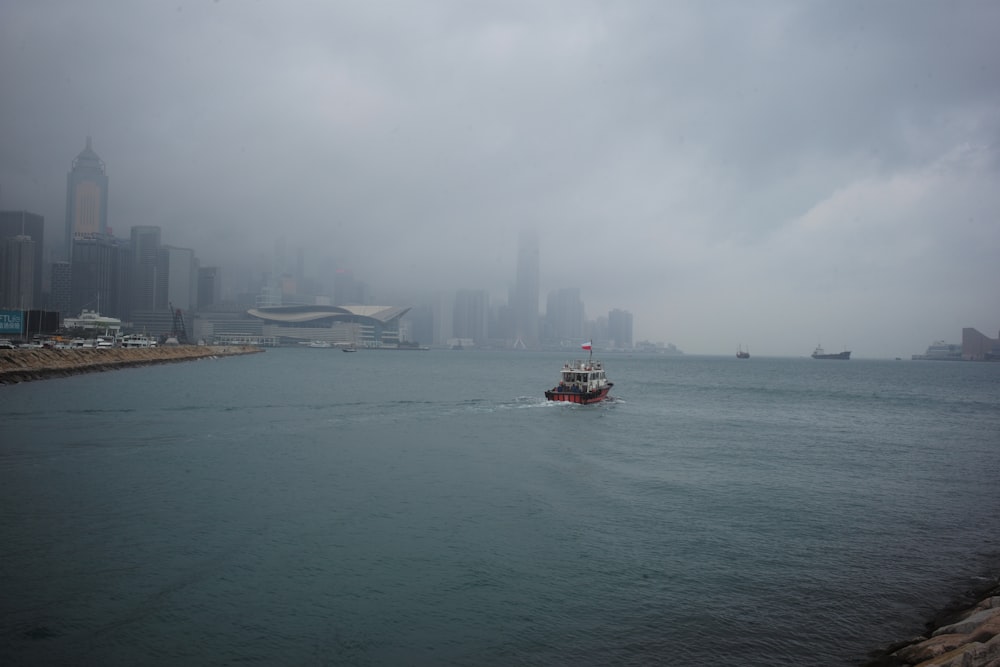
(24, 365)
(966, 634)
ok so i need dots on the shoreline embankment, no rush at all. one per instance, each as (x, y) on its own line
(965, 634)
(24, 365)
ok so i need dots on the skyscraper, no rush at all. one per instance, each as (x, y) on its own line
(61, 293)
(31, 225)
(147, 269)
(564, 314)
(526, 291)
(620, 328)
(182, 277)
(347, 290)
(99, 276)
(17, 257)
(209, 287)
(471, 315)
(86, 197)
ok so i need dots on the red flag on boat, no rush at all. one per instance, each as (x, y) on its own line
(586, 345)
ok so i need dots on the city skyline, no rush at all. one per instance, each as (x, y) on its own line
(141, 278)
(773, 175)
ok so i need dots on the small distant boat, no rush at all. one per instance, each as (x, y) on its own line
(741, 353)
(819, 353)
(349, 348)
(137, 341)
(319, 344)
(581, 381)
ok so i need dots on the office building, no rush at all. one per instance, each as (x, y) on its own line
(470, 316)
(442, 319)
(209, 287)
(31, 225)
(149, 266)
(17, 257)
(86, 198)
(182, 278)
(99, 272)
(347, 290)
(526, 292)
(564, 315)
(620, 329)
(60, 292)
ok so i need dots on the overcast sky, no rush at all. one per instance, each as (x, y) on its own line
(776, 174)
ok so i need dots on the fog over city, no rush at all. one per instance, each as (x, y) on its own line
(771, 174)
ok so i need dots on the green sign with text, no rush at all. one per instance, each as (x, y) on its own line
(11, 321)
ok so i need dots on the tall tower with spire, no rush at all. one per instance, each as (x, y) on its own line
(86, 198)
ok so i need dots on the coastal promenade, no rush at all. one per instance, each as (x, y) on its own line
(23, 365)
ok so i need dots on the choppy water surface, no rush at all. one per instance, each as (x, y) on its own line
(313, 507)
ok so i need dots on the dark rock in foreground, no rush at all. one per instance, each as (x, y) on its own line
(967, 637)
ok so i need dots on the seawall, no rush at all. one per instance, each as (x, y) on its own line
(966, 634)
(23, 365)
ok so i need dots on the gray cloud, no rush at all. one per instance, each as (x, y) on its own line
(772, 173)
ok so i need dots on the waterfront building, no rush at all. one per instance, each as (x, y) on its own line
(17, 257)
(978, 346)
(86, 197)
(347, 290)
(149, 269)
(419, 322)
(154, 323)
(564, 315)
(597, 331)
(182, 277)
(31, 225)
(620, 329)
(442, 319)
(209, 288)
(470, 316)
(61, 289)
(99, 270)
(356, 325)
(524, 300)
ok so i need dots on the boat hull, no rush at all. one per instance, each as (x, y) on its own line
(575, 397)
(841, 355)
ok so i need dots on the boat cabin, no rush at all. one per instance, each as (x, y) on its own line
(582, 376)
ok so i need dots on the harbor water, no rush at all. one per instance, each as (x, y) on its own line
(305, 506)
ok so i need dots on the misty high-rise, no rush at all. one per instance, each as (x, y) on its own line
(564, 315)
(24, 290)
(471, 315)
(149, 280)
(100, 277)
(86, 197)
(526, 291)
(17, 257)
(620, 328)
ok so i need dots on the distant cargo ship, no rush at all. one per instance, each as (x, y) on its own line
(818, 353)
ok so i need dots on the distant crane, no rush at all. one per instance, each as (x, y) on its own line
(179, 332)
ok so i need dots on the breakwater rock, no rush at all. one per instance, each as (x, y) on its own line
(22, 365)
(968, 636)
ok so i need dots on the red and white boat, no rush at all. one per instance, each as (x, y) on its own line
(581, 381)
